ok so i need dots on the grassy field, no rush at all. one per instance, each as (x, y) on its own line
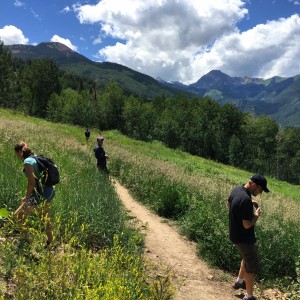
(187, 189)
(97, 253)
(194, 191)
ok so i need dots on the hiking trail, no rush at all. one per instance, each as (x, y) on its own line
(165, 247)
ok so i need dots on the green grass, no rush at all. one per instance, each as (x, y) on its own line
(194, 191)
(197, 165)
(96, 253)
(188, 189)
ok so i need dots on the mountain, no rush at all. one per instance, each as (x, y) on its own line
(129, 80)
(277, 97)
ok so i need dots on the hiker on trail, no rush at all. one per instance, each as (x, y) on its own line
(38, 196)
(101, 156)
(243, 214)
(87, 134)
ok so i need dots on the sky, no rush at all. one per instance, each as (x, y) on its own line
(176, 40)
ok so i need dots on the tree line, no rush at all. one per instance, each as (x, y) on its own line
(199, 126)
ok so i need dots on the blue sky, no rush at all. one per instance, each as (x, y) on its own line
(178, 40)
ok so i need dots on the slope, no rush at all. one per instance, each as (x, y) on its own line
(131, 81)
(167, 248)
(199, 174)
(276, 97)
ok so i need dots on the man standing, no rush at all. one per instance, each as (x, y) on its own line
(87, 134)
(101, 156)
(243, 214)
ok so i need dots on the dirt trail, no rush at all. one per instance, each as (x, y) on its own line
(193, 279)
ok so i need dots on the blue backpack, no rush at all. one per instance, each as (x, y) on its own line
(48, 170)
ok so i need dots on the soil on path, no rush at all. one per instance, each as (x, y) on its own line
(164, 246)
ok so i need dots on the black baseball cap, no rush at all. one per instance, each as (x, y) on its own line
(261, 181)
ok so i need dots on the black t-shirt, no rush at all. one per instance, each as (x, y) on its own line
(100, 155)
(241, 208)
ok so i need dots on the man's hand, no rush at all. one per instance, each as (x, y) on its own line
(257, 212)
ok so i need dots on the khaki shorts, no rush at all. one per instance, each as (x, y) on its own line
(249, 253)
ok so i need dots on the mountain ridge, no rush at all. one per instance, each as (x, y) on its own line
(131, 81)
(277, 97)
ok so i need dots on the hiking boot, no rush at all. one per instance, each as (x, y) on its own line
(249, 298)
(238, 285)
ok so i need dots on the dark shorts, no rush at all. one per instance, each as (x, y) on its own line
(249, 253)
(103, 170)
(46, 193)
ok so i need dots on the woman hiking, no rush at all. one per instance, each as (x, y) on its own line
(38, 196)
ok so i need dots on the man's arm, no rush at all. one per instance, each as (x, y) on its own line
(248, 224)
(95, 153)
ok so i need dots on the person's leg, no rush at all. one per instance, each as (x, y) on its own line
(22, 212)
(251, 260)
(242, 270)
(45, 215)
(240, 282)
(249, 279)
(20, 216)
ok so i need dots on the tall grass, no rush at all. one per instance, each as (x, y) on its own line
(97, 255)
(188, 189)
(194, 192)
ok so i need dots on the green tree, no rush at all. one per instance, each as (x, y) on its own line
(230, 123)
(208, 112)
(170, 119)
(110, 106)
(139, 118)
(288, 155)
(72, 107)
(40, 81)
(235, 151)
(6, 75)
(259, 140)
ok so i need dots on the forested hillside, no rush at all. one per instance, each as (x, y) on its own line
(199, 126)
(276, 97)
(131, 81)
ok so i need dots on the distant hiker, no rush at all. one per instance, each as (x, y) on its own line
(38, 196)
(243, 214)
(101, 156)
(87, 134)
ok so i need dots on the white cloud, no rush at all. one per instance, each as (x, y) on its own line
(66, 9)
(18, 3)
(295, 2)
(161, 36)
(66, 42)
(11, 35)
(266, 50)
(35, 15)
(97, 41)
(183, 40)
